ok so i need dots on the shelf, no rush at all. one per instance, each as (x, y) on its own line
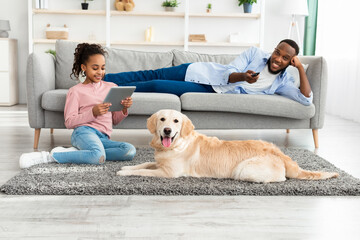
(148, 43)
(49, 41)
(195, 44)
(222, 44)
(70, 12)
(230, 15)
(154, 14)
(53, 41)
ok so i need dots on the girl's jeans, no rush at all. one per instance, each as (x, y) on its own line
(163, 80)
(94, 148)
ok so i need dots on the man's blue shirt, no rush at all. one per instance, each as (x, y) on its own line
(217, 75)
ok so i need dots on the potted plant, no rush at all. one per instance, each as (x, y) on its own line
(247, 5)
(208, 9)
(51, 51)
(170, 5)
(85, 5)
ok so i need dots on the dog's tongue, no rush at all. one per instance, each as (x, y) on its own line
(166, 142)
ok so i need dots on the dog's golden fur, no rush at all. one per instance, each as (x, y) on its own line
(193, 154)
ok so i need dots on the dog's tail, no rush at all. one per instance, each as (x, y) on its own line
(294, 171)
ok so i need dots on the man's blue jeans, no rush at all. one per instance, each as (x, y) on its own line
(95, 147)
(163, 80)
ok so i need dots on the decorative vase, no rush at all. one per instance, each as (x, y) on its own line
(4, 34)
(247, 7)
(170, 9)
(84, 6)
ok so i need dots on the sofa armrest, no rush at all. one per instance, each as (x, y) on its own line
(317, 75)
(40, 77)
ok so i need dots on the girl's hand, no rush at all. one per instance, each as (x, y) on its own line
(101, 109)
(127, 102)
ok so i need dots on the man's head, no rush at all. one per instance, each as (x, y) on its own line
(282, 55)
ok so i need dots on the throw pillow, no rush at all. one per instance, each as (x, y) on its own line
(294, 72)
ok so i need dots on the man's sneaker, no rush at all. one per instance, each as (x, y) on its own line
(30, 159)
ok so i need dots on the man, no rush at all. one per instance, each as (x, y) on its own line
(252, 72)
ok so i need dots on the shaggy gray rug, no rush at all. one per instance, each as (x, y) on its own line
(70, 179)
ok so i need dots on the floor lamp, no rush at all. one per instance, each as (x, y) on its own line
(295, 8)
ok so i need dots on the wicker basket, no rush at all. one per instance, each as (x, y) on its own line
(57, 32)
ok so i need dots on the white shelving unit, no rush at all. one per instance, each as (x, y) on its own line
(8, 72)
(70, 12)
(223, 44)
(152, 14)
(186, 16)
(229, 15)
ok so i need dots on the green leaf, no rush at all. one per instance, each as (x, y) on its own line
(170, 3)
(241, 2)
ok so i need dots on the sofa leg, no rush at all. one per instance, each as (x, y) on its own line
(287, 130)
(316, 137)
(51, 131)
(36, 137)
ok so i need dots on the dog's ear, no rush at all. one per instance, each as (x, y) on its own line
(187, 126)
(151, 123)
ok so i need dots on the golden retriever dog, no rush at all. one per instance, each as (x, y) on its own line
(181, 151)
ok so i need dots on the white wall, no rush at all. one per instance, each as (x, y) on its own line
(16, 12)
(276, 25)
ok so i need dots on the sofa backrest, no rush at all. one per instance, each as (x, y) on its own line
(181, 57)
(117, 60)
(317, 75)
(63, 64)
(121, 60)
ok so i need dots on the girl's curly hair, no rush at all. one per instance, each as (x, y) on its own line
(82, 53)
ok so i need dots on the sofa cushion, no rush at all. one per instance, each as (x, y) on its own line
(149, 103)
(294, 72)
(63, 65)
(54, 100)
(120, 60)
(181, 57)
(271, 105)
(143, 103)
(117, 60)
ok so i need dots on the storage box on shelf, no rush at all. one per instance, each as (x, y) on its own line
(57, 32)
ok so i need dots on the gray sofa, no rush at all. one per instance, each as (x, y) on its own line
(48, 80)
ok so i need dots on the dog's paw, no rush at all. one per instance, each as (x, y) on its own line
(123, 173)
(127, 167)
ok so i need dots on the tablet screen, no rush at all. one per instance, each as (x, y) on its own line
(116, 94)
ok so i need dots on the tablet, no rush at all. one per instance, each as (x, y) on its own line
(116, 94)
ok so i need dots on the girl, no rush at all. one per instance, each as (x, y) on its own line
(88, 116)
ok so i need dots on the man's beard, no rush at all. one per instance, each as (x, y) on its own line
(274, 72)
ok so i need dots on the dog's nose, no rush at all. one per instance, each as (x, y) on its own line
(167, 131)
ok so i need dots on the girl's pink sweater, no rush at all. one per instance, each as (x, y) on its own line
(80, 100)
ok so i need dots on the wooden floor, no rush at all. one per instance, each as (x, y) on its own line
(180, 217)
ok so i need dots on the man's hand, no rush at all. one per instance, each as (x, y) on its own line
(249, 78)
(305, 87)
(101, 109)
(246, 76)
(295, 62)
(127, 102)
